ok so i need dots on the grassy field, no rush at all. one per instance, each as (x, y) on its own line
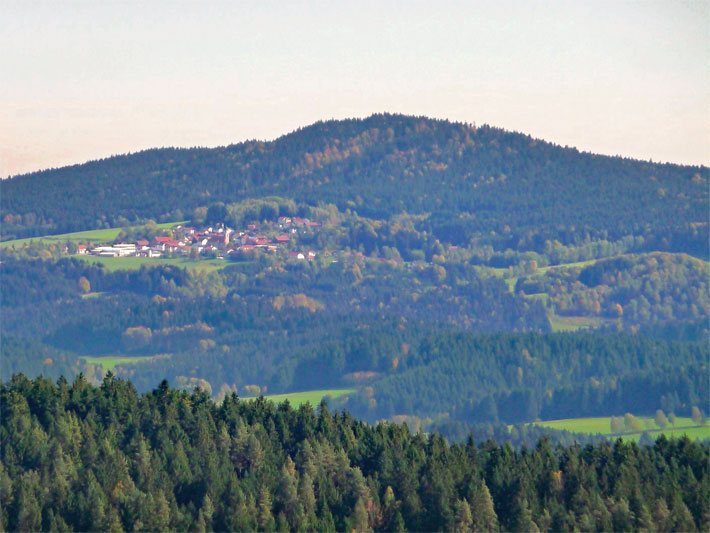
(578, 264)
(96, 235)
(602, 426)
(109, 362)
(134, 263)
(574, 323)
(312, 396)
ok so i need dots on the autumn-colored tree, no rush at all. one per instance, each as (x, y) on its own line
(84, 285)
(697, 415)
(661, 419)
(136, 338)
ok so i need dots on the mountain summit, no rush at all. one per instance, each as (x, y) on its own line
(474, 180)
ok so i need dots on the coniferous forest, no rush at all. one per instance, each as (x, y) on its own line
(81, 458)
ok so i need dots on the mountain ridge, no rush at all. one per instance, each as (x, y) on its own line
(486, 178)
(322, 122)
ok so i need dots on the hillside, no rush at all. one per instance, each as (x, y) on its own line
(478, 183)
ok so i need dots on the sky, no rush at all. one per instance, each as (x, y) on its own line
(85, 80)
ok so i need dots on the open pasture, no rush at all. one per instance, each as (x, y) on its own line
(313, 397)
(94, 235)
(110, 362)
(135, 263)
(574, 323)
(602, 426)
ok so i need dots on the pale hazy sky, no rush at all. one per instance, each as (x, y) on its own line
(82, 80)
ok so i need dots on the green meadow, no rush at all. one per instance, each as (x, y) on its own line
(574, 323)
(110, 362)
(94, 235)
(313, 396)
(135, 263)
(602, 426)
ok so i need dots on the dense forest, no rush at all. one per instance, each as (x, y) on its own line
(82, 458)
(473, 183)
(517, 378)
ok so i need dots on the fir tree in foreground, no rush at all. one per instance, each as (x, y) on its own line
(84, 458)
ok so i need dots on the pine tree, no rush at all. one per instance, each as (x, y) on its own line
(522, 518)
(661, 516)
(483, 510)
(287, 494)
(265, 518)
(28, 511)
(359, 518)
(681, 517)
(464, 518)
(307, 498)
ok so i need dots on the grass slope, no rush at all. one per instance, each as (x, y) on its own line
(313, 396)
(602, 426)
(110, 362)
(134, 263)
(97, 235)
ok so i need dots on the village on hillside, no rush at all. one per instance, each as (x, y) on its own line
(217, 241)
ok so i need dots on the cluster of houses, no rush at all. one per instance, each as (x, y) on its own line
(219, 241)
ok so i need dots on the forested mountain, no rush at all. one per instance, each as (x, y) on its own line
(83, 458)
(475, 183)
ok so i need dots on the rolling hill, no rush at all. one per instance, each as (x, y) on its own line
(474, 182)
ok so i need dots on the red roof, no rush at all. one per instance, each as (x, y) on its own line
(167, 241)
(142, 242)
(283, 238)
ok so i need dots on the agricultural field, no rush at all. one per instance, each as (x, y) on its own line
(97, 235)
(110, 362)
(602, 426)
(574, 323)
(135, 263)
(313, 397)
(578, 264)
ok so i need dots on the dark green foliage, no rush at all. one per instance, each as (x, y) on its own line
(516, 378)
(77, 457)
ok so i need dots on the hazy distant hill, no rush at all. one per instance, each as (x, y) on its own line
(476, 182)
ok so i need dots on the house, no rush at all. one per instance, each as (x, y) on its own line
(296, 255)
(142, 244)
(81, 249)
(167, 244)
(149, 252)
(283, 239)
